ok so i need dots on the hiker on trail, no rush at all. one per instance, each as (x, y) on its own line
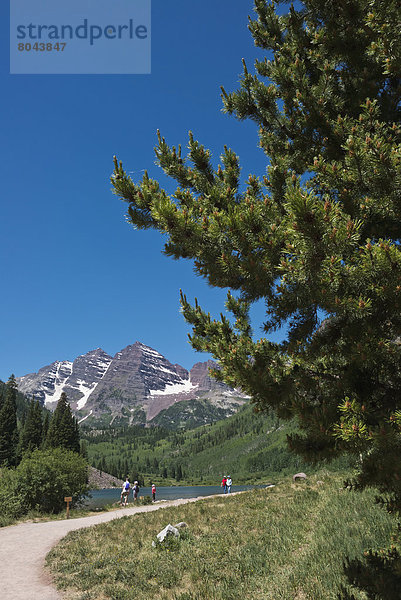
(229, 484)
(125, 492)
(153, 492)
(224, 484)
(135, 490)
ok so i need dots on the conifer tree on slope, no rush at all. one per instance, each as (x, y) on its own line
(45, 428)
(63, 429)
(31, 435)
(9, 426)
(317, 238)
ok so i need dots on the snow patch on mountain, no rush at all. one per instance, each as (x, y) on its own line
(150, 351)
(86, 417)
(235, 393)
(86, 389)
(175, 388)
(60, 379)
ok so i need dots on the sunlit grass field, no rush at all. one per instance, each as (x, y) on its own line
(283, 543)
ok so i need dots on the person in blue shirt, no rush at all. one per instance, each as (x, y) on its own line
(125, 492)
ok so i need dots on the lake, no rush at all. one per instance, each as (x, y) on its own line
(102, 497)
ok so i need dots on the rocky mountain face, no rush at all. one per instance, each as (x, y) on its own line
(77, 379)
(134, 386)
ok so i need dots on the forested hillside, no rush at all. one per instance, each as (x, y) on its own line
(248, 446)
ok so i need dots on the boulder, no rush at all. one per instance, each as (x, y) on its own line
(168, 530)
(181, 525)
(298, 476)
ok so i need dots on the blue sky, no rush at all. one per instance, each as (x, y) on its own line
(75, 275)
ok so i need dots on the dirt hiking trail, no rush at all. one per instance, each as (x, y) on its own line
(23, 549)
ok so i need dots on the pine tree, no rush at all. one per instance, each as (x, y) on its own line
(31, 433)
(76, 437)
(45, 429)
(317, 238)
(2, 393)
(63, 428)
(9, 426)
(84, 449)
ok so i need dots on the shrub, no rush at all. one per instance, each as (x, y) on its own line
(11, 505)
(42, 480)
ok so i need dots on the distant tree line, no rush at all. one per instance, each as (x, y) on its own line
(35, 428)
(138, 469)
(41, 457)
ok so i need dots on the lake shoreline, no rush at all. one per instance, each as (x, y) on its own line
(101, 498)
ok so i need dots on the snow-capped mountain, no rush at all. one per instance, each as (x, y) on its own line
(77, 379)
(134, 386)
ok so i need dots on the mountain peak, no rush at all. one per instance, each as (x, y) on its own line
(133, 386)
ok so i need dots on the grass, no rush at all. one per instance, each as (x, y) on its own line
(282, 543)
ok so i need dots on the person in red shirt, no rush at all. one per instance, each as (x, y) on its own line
(153, 492)
(224, 484)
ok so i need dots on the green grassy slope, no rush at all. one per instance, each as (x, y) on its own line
(189, 414)
(287, 542)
